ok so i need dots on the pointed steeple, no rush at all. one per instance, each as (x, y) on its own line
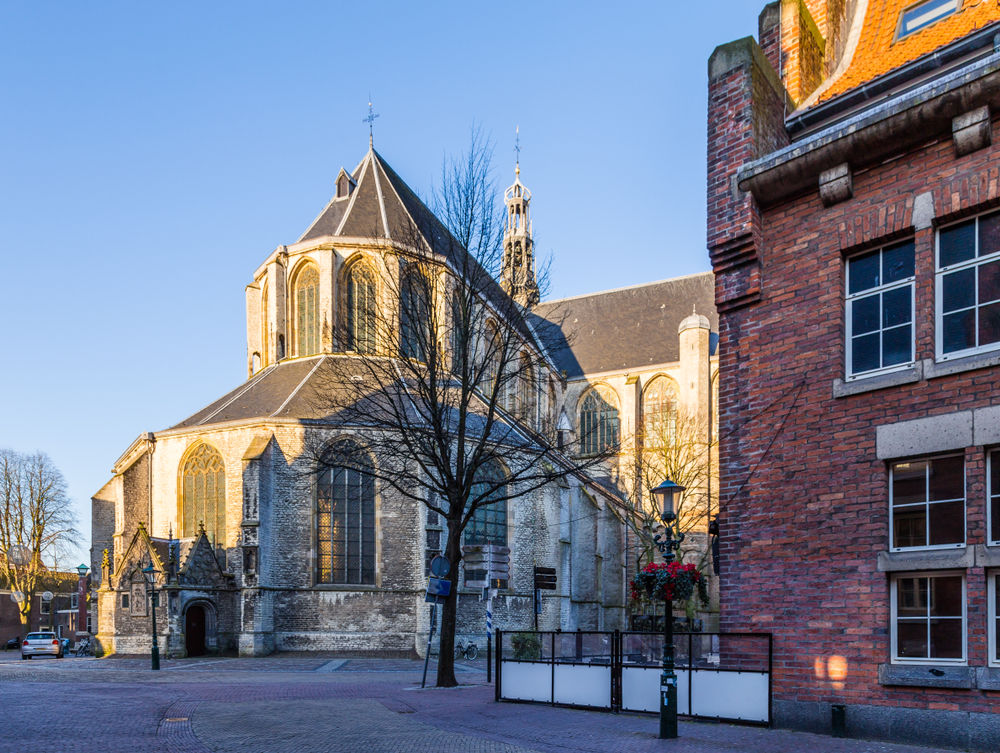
(517, 276)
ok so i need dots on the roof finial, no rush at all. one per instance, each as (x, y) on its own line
(369, 120)
(694, 309)
(517, 148)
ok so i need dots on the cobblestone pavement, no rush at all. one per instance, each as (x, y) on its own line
(325, 703)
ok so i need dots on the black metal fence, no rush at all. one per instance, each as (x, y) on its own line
(723, 676)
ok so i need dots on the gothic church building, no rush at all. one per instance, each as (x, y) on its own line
(226, 508)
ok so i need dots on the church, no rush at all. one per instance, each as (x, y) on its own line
(253, 548)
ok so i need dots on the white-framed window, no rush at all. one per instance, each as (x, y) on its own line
(923, 14)
(928, 616)
(992, 581)
(46, 606)
(74, 601)
(993, 497)
(879, 310)
(967, 289)
(927, 503)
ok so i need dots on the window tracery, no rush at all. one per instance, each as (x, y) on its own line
(361, 302)
(203, 486)
(307, 310)
(659, 409)
(346, 518)
(414, 313)
(598, 421)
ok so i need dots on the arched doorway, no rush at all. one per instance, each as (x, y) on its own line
(194, 630)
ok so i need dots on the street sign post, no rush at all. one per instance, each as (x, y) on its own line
(545, 580)
(437, 591)
(495, 560)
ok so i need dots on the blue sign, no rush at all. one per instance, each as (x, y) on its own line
(438, 587)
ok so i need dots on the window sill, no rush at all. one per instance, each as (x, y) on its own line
(968, 363)
(928, 676)
(909, 375)
(927, 559)
(345, 587)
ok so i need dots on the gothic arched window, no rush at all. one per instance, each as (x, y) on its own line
(307, 312)
(361, 309)
(489, 522)
(460, 341)
(598, 421)
(491, 361)
(659, 412)
(346, 517)
(525, 407)
(414, 312)
(203, 492)
(264, 333)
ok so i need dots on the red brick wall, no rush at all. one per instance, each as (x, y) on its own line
(800, 541)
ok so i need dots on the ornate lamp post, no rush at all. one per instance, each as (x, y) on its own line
(81, 600)
(666, 494)
(151, 591)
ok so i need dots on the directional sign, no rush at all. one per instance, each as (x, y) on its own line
(438, 587)
(545, 578)
(480, 562)
(485, 548)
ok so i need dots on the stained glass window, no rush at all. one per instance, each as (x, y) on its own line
(414, 317)
(346, 519)
(598, 421)
(489, 522)
(361, 309)
(307, 305)
(659, 407)
(204, 491)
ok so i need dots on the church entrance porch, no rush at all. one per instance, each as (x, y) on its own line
(194, 630)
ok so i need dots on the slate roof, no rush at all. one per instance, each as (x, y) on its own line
(628, 328)
(878, 52)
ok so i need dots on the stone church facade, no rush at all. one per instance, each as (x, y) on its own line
(229, 509)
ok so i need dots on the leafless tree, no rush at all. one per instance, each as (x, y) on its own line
(678, 447)
(442, 383)
(37, 525)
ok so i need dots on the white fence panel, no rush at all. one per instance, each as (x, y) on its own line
(641, 689)
(524, 681)
(583, 685)
(730, 695)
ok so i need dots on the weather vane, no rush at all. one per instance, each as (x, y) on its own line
(517, 148)
(370, 120)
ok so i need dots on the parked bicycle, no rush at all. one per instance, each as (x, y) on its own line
(469, 650)
(84, 648)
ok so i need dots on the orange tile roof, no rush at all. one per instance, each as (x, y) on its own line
(877, 52)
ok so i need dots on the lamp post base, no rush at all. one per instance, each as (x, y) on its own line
(156, 657)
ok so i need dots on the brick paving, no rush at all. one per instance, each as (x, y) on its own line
(288, 703)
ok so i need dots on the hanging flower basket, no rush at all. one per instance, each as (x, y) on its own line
(669, 581)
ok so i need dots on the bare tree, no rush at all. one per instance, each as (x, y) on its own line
(36, 523)
(676, 446)
(442, 383)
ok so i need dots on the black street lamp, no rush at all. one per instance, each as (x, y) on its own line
(151, 591)
(667, 494)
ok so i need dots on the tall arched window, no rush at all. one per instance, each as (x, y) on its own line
(525, 406)
(598, 421)
(264, 333)
(489, 522)
(414, 311)
(659, 412)
(461, 345)
(346, 518)
(307, 312)
(491, 361)
(361, 309)
(203, 489)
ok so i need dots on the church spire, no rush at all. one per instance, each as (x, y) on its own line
(517, 275)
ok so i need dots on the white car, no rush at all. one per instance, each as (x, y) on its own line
(41, 644)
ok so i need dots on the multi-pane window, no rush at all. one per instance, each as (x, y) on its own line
(524, 407)
(659, 412)
(125, 600)
(489, 522)
(928, 502)
(307, 307)
(491, 361)
(598, 421)
(880, 310)
(346, 519)
(928, 617)
(414, 313)
(46, 606)
(74, 601)
(993, 592)
(968, 287)
(993, 502)
(361, 309)
(204, 493)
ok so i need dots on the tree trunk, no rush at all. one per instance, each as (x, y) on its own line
(446, 655)
(24, 612)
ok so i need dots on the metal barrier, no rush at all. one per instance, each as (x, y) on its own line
(722, 676)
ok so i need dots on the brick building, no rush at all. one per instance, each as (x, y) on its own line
(852, 188)
(228, 507)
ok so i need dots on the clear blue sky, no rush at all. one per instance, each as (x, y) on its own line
(153, 154)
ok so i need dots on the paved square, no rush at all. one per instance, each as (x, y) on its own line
(326, 703)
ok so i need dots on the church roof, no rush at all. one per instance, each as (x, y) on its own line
(380, 206)
(628, 328)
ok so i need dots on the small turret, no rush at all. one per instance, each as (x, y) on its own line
(517, 276)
